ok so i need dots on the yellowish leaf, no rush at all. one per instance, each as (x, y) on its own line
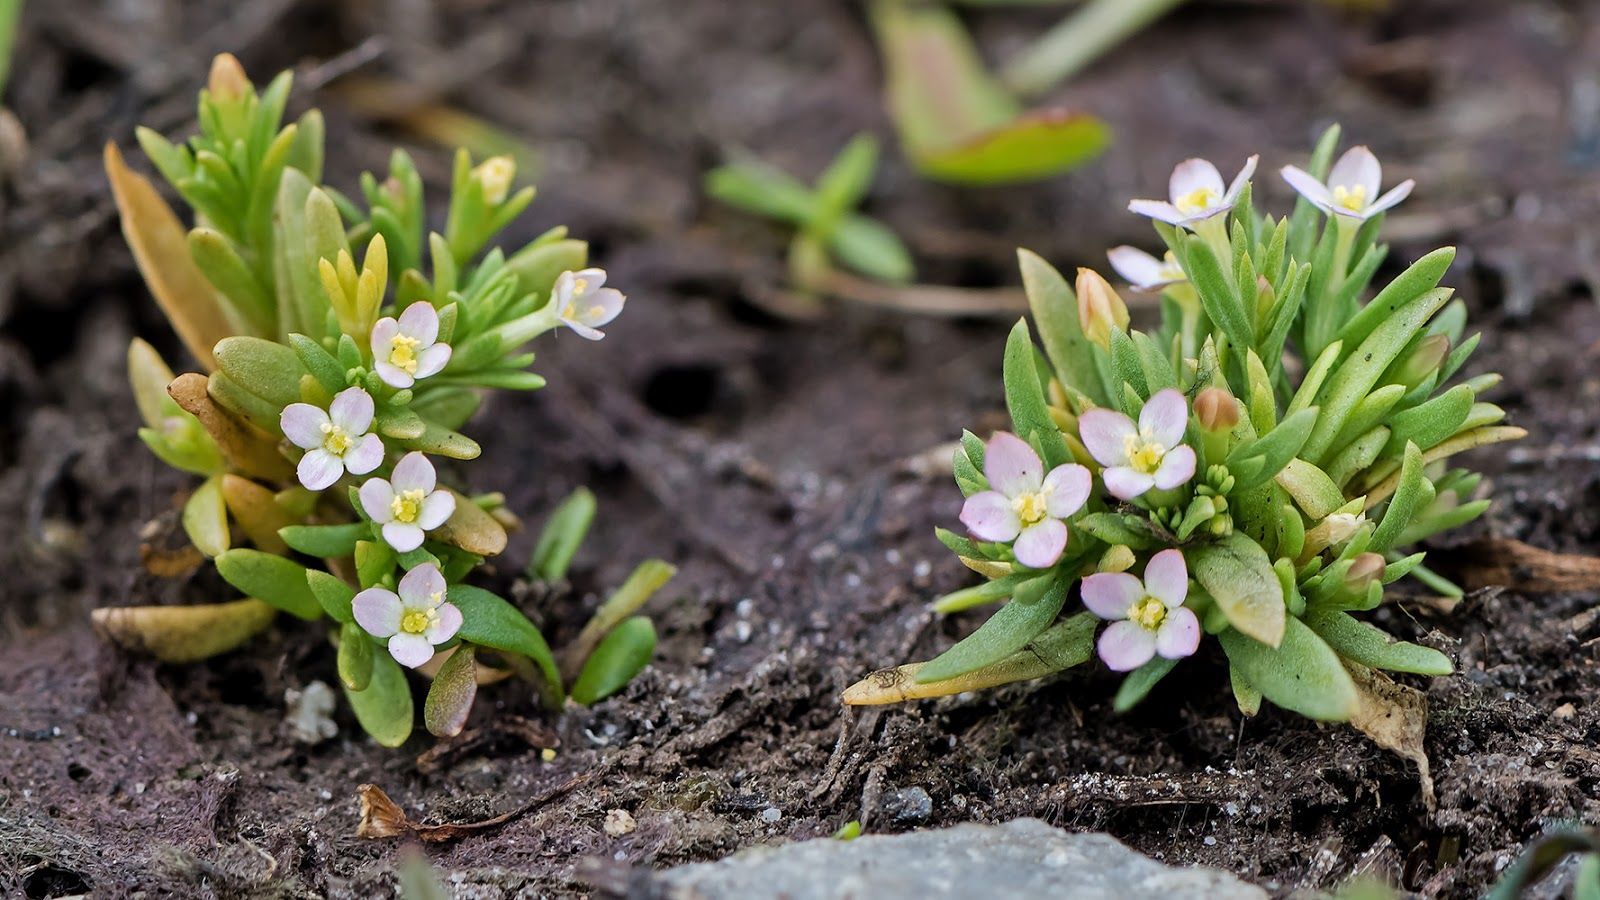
(257, 512)
(180, 634)
(472, 529)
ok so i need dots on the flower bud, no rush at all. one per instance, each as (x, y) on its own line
(495, 175)
(1099, 307)
(1266, 297)
(1117, 558)
(1365, 569)
(1423, 361)
(1216, 410)
(227, 82)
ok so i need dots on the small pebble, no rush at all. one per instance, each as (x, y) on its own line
(619, 823)
(908, 805)
(771, 814)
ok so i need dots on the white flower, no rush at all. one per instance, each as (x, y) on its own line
(1147, 617)
(415, 621)
(408, 504)
(1140, 457)
(495, 175)
(1196, 193)
(1352, 186)
(1024, 504)
(1143, 271)
(335, 441)
(407, 349)
(584, 303)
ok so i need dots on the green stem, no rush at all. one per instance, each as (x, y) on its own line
(1079, 40)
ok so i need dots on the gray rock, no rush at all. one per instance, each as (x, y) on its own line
(1024, 858)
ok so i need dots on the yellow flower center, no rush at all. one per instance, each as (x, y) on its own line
(406, 506)
(1148, 612)
(335, 440)
(1196, 200)
(579, 285)
(1030, 507)
(416, 621)
(1144, 454)
(403, 353)
(1353, 198)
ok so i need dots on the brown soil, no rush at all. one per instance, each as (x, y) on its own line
(766, 458)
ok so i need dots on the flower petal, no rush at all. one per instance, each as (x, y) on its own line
(352, 410)
(302, 425)
(421, 321)
(583, 331)
(1308, 187)
(1166, 578)
(394, 376)
(445, 627)
(1177, 467)
(414, 473)
(377, 498)
(319, 469)
(1165, 417)
(433, 359)
(420, 585)
(1066, 489)
(436, 508)
(593, 279)
(1194, 175)
(383, 335)
(601, 307)
(404, 537)
(1396, 194)
(365, 456)
(1159, 210)
(1109, 594)
(410, 650)
(377, 611)
(1239, 180)
(1125, 483)
(1125, 646)
(1137, 267)
(1105, 432)
(1179, 634)
(989, 516)
(1011, 465)
(1040, 544)
(1357, 168)
(561, 291)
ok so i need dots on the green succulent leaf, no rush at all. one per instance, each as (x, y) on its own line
(1302, 674)
(620, 656)
(1366, 644)
(490, 621)
(271, 579)
(1007, 631)
(384, 706)
(1237, 574)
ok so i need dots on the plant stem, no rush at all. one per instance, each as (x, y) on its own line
(1079, 40)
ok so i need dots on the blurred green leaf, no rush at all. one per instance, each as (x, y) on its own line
(620, 656)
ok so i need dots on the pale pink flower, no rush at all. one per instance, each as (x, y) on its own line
(1352, 186)
(1195, 193)
(409, 503)
(1147, 617)
(584, 303)
(415, 620)
(1140, 457)
(407, 349)
(1143, 271)
(335, 441)
(1024, 504)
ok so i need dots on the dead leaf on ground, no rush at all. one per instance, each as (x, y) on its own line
(383, 818)
(1502, 562)
(1395, 717)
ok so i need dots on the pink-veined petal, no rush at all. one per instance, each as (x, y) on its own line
(1066, 489)
(1110, 594)
(436, 508)
(1159, 210)
(989, 516)
(377, 498)
(383, 335)
(377, 611)
(413, 473)
(1125, 483)
(433, 359)
(583, 331)
(1308, 187)
(1179, 634)
(1040, 544)
(1194, 175)
(404, 537)
(1125, 646)
(1165, 417)
(410, 650)
(446, 625)
(1105, 432)
(365, 456)
(420, 585)
(1011, 465)
(319, 469)
(1166, 578)
(1137, 267)
(392, 375)
(1176, 468)
(1239, 180)
(421, 321)
(352, 410)
(1396, 194)
(302, 425)
(1357, 168)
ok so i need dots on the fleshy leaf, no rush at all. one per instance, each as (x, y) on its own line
(183, 634)
(384, 706)
(1007, 631)
(272, 579)
(1066, 644)
(1302, 674)
(620, 656)
(205, 518)
(1237, 574)
(450, 697)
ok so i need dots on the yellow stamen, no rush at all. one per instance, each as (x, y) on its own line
(579, 285)
(1030, 507)
(1144, 454)
(1196, 200)
(403, 353)
(417, 621)
(1353, 197)
(335, 440)
(406, 506)
(1148, 613)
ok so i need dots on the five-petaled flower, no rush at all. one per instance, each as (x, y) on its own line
(1139, 457)
(407, 349)
(1147, 617)
(584, 303)
(409, 503)
(1023, 503)
(1352, 186)
(335, 441)
(1143, 271)
(415, 620)
(1196, 193)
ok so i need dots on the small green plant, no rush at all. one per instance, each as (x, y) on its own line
(332, 388)
(1255, 470)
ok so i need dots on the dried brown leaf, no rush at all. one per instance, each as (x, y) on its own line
(247, 449)
(179, 634)
(383, 818)
(1501, 562)
(257, 512)
(1395, 717)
